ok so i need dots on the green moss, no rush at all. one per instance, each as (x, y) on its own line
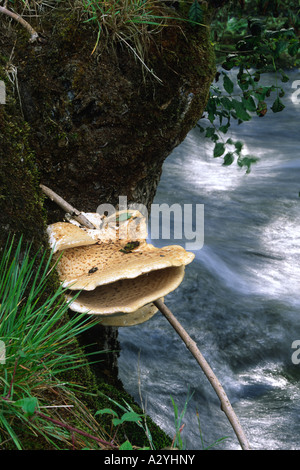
(21, 200)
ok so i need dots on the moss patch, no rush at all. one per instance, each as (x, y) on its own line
(21, 201)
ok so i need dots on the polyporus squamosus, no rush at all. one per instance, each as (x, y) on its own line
(119, 275)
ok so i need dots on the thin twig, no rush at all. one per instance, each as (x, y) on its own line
(33, 34)
(75, 430)
(67, 207)
(7, 398)
(191, 345)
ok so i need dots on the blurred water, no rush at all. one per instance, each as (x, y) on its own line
(240, 297)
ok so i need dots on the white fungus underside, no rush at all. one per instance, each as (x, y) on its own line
(128, 295)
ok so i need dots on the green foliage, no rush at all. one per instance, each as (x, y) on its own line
(28, 405)
(196, 12)
(178, 442)
(115, 402)
(252, 50)
(126, 446)
(129, 415)
(27, 321)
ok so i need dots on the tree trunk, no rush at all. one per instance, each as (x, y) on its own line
(92, 127)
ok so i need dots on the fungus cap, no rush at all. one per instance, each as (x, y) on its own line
(87, 267)
(126, 225)
(127, 295)
(119, 275)
(123, 225)
(63, 235)
(141, 315)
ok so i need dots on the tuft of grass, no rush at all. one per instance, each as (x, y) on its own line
(38, 349)
(132, 23)
(38, 345)
(135, 23)
(178, 442)
(125, 18)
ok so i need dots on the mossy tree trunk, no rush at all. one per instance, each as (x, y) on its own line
(92, 127)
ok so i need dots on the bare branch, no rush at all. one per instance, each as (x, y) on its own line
(33, 34)
(67, 207)
(75, 430)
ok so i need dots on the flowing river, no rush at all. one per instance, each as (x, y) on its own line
(240, 296)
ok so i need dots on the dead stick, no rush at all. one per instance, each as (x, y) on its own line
(17, 17)
(72, 429)
(67, 207)
(191, 345)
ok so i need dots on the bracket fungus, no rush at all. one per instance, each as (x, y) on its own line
(117, 273)
(121, 278)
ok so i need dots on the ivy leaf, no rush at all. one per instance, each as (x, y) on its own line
(126, 446)
(28, 405)
(224, 128)
(238, 146)
(226, 103)
(128, 416)
(210, 133)
(228, 84)
(219, 149)
(195, 12)
(277, 106)
(262, 92)
(261, 108)
(228, 159)
(211, 109)
(240, 110)
(249, 104)
(284, 77)
(243, 81)
(247, 161)
(106, 411)
(230, 62)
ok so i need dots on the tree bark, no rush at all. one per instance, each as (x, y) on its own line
(92, 127)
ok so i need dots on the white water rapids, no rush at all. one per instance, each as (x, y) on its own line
(240, 297)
